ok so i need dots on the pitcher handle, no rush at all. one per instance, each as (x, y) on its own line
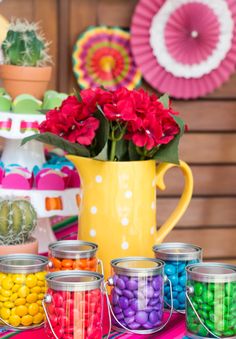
(184, 199)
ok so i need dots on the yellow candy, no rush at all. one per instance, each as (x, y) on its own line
(2, 298)
(23, 291)
(40, 275)
(16, 287)
(32, 298)
(20, 301)
(5, 293)
(14, 320)
(13, 311)
(41, 309)
(21, 310)
(1, 304)
(2, 276)
(40, 296)
(33, 309)
(43, 289)
(38, 318)
(39, 302)
(26, 320)
(13, 297)
(36, 289)
(8, 304)
(31, 280)
(41, 283)
(7, 283)
(5, 313)
(19, 278)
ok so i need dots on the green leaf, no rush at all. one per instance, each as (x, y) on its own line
(103, 154)
(133, 154)
(53, 139)
(122, 150)
(165, 100)
(170, 152)
(102, 133)
(77, 94)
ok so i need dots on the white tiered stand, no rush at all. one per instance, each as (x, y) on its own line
(29, 155)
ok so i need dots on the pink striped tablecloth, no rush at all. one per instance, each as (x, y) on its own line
(174, 330)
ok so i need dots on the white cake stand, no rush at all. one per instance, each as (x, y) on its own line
(46, 202)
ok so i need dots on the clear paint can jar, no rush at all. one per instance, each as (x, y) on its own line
(137, 295)
(74, 305)
(211, 301)
(73, 255)
(22, 289)
(177, 256)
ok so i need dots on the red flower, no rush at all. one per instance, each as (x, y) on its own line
(73, 121)
(121, 108)
(84, 132)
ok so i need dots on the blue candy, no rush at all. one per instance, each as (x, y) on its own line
(170, 269)
(175, 271)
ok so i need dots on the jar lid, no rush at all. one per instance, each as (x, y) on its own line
(138, 266)
(74, 280)
(177, 251)
(22, 263)
(212, 272)
(73, 249)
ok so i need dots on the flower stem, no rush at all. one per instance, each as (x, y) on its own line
(113, 150)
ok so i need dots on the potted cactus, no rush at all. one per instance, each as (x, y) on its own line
(26, 67)
(18, 219)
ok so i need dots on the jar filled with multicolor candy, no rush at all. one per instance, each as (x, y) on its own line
(72, 255)
(137, 299)
(74, 305)
(176, 257)
(22, 288)
(211, 301)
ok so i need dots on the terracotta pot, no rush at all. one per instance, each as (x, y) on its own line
(25, 80)
(30, 247)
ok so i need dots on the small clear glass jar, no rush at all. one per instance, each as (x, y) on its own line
(74, 305)
(211, 301)
(22, 289)
(137, 295)
(176, 257)
(72, 255)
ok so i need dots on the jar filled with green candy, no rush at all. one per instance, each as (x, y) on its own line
(211, 301)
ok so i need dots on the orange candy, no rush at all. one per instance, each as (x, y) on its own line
(88, 264)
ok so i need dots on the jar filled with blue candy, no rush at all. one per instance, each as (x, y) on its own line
(137, 294)
(176, 257)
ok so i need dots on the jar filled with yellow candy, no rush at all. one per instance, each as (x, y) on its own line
(22, 289)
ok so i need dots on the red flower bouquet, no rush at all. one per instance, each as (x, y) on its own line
(119, 125)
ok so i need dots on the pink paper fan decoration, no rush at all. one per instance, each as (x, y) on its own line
(185, 47)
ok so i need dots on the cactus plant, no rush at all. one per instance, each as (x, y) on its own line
(17, 221)
(24, 45)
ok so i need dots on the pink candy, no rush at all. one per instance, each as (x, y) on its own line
(75, 314)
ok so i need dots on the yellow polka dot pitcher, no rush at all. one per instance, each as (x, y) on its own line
(118, 205)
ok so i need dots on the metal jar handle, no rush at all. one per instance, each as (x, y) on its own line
(48, 299)
(137, 332)
(21, 328)
(190, 290)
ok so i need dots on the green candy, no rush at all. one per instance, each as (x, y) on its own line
(198, 289)
(202, 331)
(208, 297)
(210, 325)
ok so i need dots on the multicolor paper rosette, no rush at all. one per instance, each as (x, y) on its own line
(185, 47)
(102, 57)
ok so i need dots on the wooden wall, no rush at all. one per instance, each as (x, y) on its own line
(209, 147)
